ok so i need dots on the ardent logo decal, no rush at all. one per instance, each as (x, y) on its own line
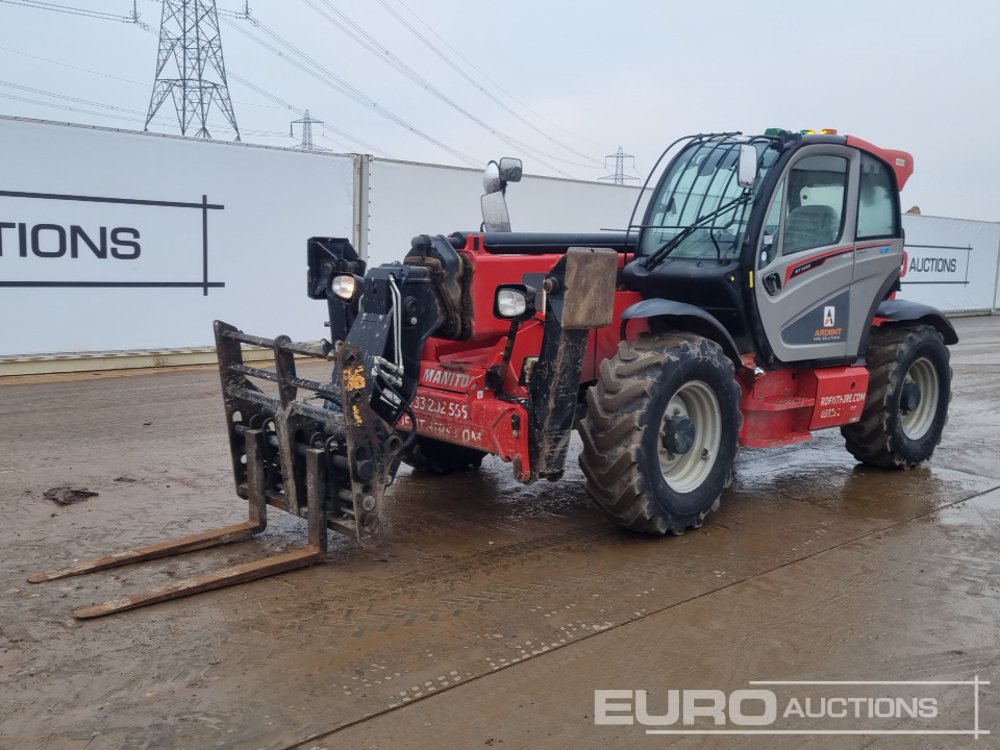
(826, 323)
(830, 330)
(446, 378)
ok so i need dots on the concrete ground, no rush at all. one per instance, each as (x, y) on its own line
(493, 611)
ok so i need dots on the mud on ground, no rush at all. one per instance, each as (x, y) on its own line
(493, 610)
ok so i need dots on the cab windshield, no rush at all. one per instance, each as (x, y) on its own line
(699, 196)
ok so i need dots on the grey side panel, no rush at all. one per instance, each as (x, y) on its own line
(686, 318)
(826, 323)
(901, 310)
(875, 262)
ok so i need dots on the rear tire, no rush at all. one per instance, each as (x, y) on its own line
(906, 408)
(431, 456)
(661, 433)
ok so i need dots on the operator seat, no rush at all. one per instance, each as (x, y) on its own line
(810, 226)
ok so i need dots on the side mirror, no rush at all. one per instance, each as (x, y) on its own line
(492, 182)
(494, 205)
(510, 169)
(495, 215)
(747, 170)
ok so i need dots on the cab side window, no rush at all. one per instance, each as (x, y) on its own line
(816, 203)
(772, 225)
(877, 199)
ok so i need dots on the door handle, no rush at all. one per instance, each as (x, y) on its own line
(772, 283)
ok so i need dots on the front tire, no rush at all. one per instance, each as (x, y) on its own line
(906, 408)
(661, 433)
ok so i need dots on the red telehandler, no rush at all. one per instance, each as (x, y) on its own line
(752, 304)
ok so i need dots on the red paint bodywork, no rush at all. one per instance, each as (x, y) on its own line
(784, 406)
(900, 161)
(453, 404)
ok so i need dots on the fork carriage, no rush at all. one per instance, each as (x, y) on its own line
(327, 464)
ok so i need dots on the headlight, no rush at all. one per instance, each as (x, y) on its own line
(344, 286)
(511, 302)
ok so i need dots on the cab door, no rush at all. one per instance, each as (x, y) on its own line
(805, 257)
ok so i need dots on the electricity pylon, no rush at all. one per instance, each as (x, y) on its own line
(306, 122)
(189, 68)
(618, 176)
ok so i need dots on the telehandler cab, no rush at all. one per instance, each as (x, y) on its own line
(753, 304)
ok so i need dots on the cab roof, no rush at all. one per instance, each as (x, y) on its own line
(901, 162)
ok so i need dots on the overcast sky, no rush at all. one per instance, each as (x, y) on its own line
(918, 75)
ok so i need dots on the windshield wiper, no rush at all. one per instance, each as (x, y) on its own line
(667, 247)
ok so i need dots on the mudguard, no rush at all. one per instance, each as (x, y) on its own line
(686, 318)
(902, 310)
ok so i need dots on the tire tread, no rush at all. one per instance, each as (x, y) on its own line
(613, 429)
(870, 440)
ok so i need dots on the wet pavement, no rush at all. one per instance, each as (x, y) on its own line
(493, 610)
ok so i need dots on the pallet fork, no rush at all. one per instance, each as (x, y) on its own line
(329, 464)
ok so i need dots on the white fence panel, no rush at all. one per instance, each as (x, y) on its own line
(112, 240)
(951, 264)
(407, 199)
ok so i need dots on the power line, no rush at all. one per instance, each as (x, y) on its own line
(281, 102)
(318, 71)
(370, 43)
(109, 75)
(125, 114)
(69, 108)
(325, 137)
(463, 72)
(71, 67)
(77, 100)
(132, 18)
(321, 73)
(138, 116)
(254, 87)
(69, 9)
(298, 110)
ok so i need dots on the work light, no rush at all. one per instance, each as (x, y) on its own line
(511, 302)
(344, 286)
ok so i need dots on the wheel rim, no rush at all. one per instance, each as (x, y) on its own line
(923, 376)
(686, 471)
